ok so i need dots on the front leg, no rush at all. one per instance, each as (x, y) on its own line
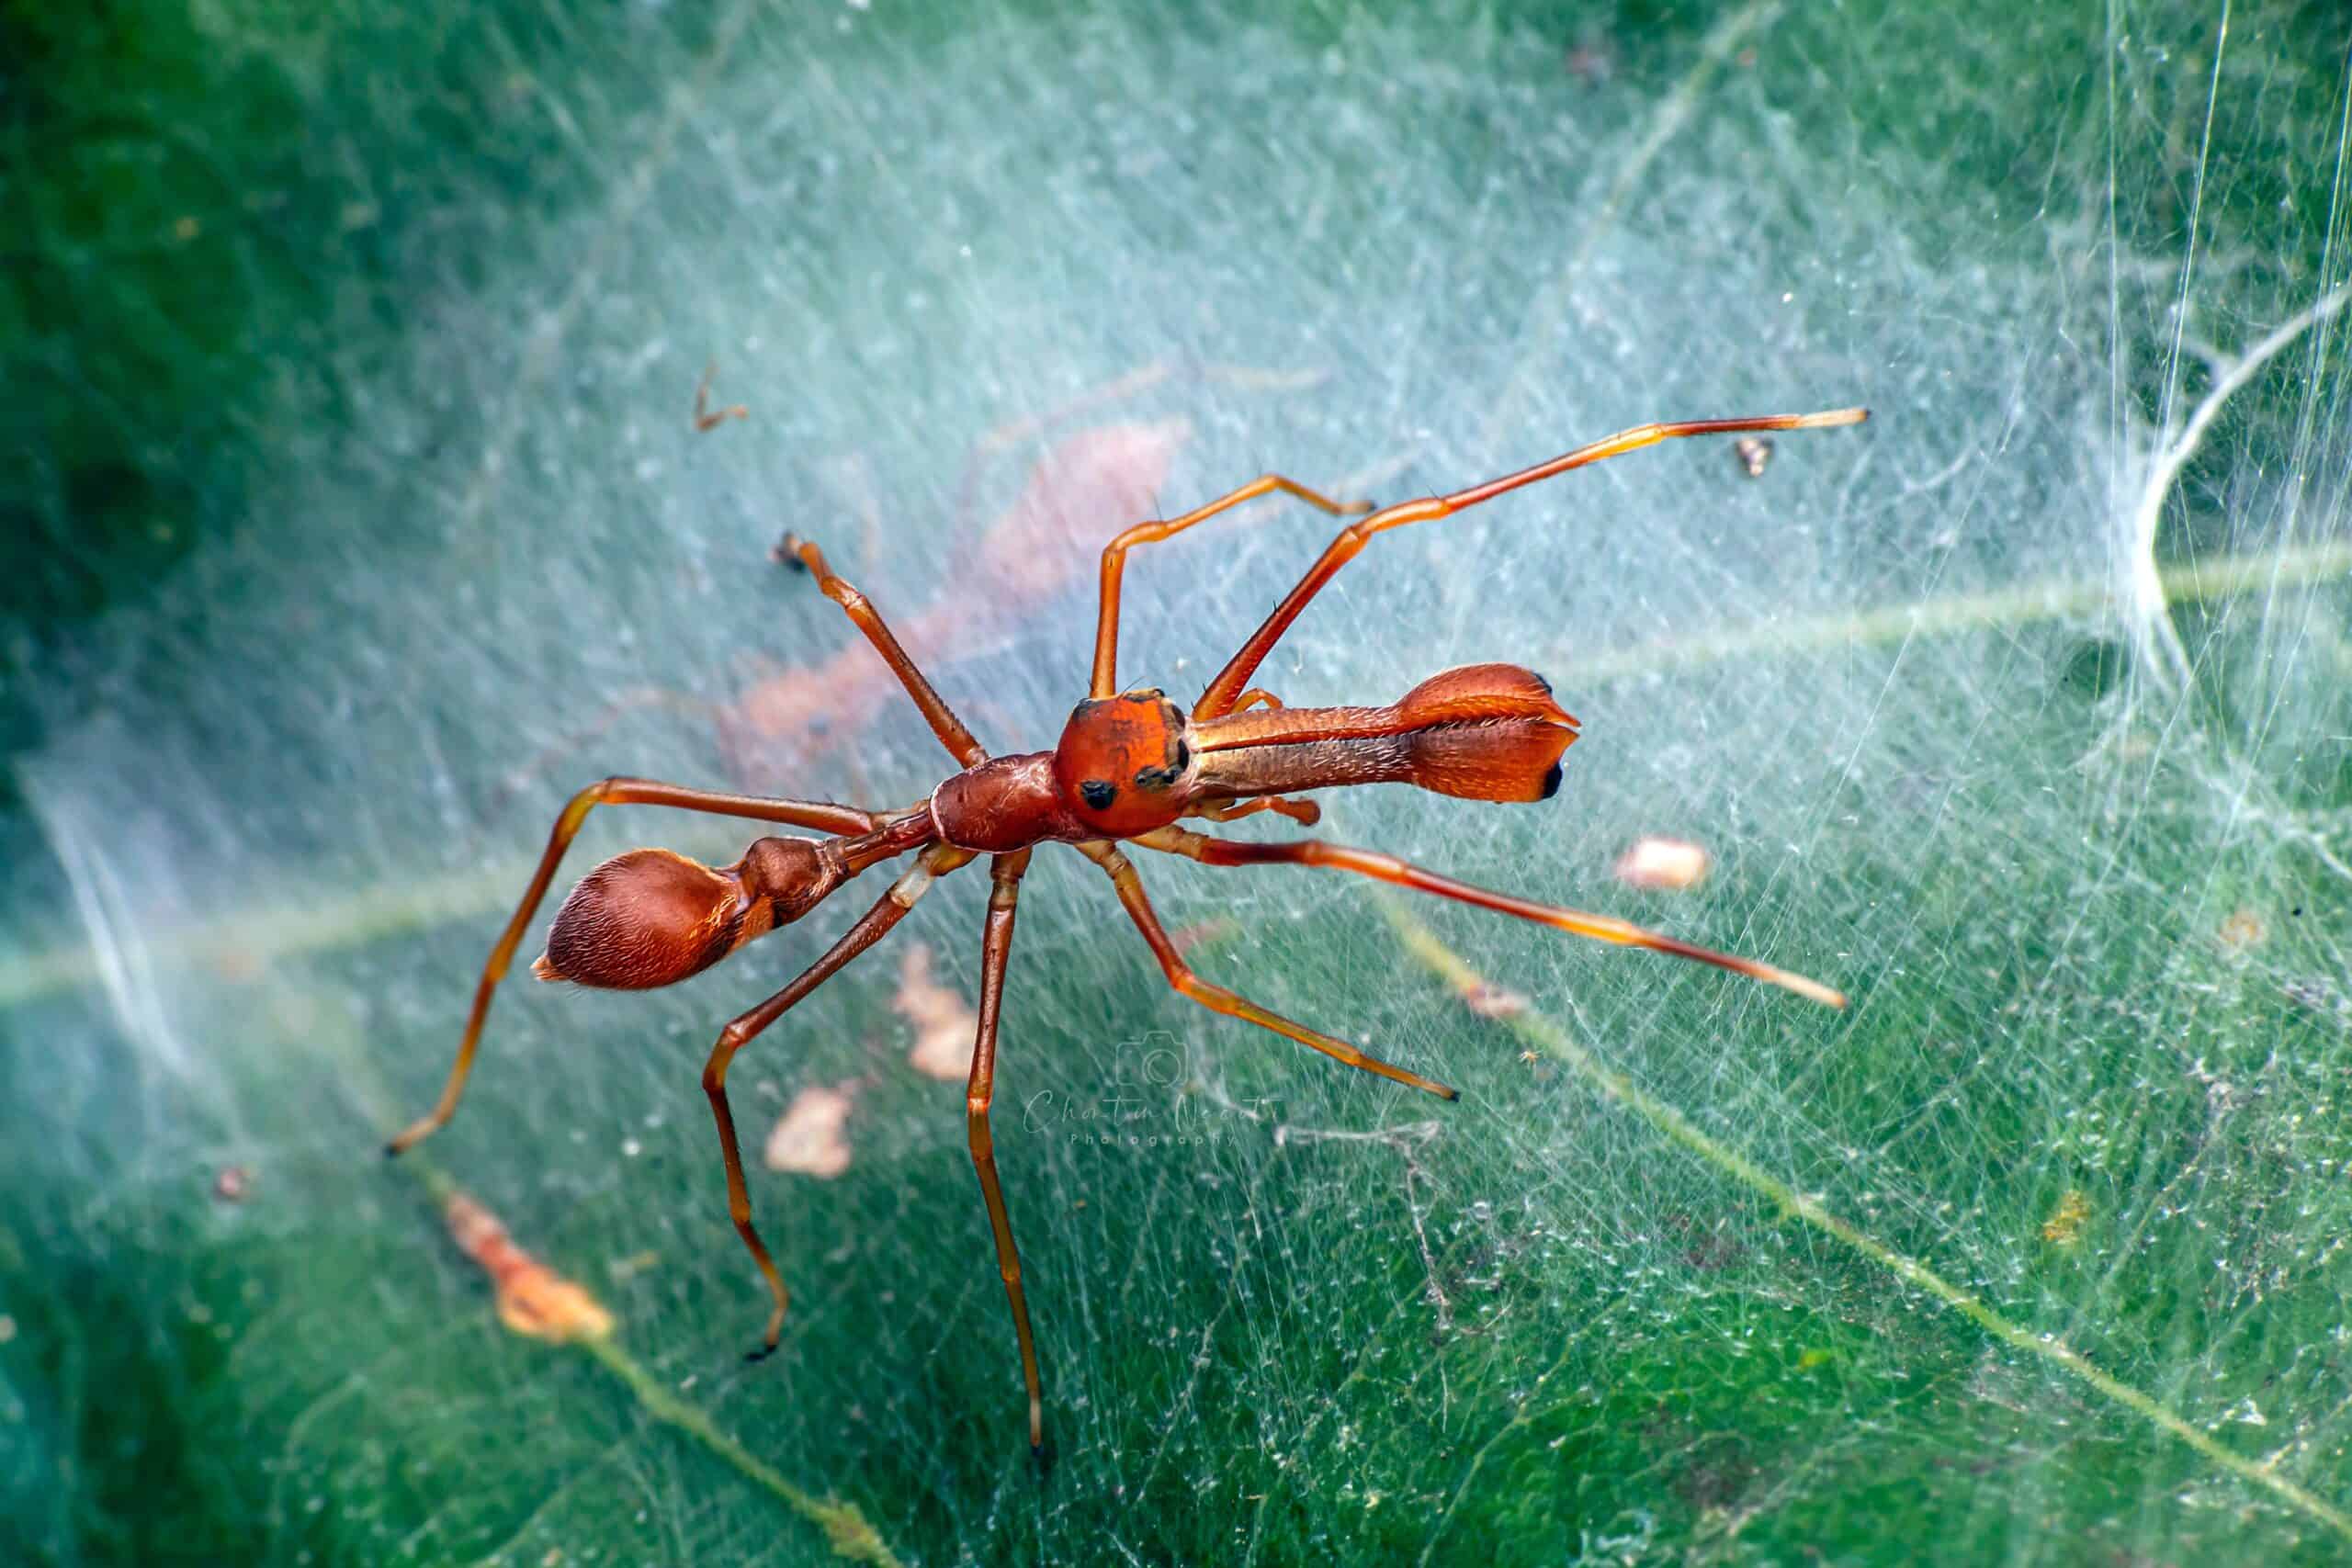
(1227, 690)
(1115, 557)
(941, 718)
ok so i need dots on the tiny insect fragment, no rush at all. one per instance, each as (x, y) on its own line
(2064, 1226)
(945, 1023)
(1593, 61)
(1663, 865)
(2243, 931)
(810, 1138)
(1755, 455)
(533, 1299)
(1489, 1000)
(707, 418)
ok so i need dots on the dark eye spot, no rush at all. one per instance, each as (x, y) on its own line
(1098, 794)
(1551, 782)
(1184, 756)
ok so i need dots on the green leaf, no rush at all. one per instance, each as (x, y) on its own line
(366, 519)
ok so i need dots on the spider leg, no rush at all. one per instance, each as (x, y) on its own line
(1115, 558)
(1211, 851)
(869, 929)
(1217, 998)
(1225, 691)
(943, 722)
(995, 949)
(822, 815)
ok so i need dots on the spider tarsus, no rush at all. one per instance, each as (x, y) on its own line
(759, 1353)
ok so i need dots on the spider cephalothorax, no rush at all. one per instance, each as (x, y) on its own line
(1121, 763)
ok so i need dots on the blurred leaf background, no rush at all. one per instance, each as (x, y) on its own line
(353, 516)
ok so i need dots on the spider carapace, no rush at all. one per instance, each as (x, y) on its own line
(1129, 767)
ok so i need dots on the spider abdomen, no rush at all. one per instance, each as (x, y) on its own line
(652, 918)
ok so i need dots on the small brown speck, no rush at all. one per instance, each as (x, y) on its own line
(2064, 1226)
(1593, 61)
(707, 418)
(2242, 932)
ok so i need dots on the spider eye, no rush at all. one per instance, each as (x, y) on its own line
(1098, 794)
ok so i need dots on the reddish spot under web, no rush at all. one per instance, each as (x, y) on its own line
(1084, 489)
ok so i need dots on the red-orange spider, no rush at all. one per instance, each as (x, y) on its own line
(1128, 766)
